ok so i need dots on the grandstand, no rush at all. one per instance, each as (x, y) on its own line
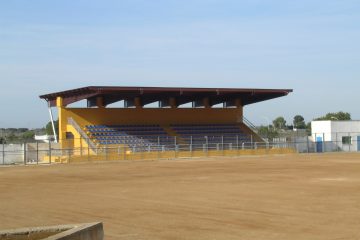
(194, 117)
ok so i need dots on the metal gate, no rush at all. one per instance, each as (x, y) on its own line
(319, 144)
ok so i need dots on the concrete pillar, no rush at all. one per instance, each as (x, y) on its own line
(137, 102)
(100, 102)
(238, 103)
(172, 102)
(206, 102)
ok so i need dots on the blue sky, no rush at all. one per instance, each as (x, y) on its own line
(310, 46)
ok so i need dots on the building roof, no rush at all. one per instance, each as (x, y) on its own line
(182, 95)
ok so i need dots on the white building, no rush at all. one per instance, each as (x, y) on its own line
(44, 138)
(336, 135)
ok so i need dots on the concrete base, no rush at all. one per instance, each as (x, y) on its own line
(86, 231)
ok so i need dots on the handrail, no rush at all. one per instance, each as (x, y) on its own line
(249, 124)
(87, 139)
(252, 127)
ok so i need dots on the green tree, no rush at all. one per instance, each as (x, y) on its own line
(308, 128)
(338, 116)
(49, 129)
(12, 138)
(299, 122)
(268, 132)
(22, 130)
(279, 123)
(28, 135)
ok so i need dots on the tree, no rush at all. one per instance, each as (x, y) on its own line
(308, 128)
(268, 132)
(338, 116)
(28, 135)
(299, 122)
(279, 123)
(12, 138)
(49, 129)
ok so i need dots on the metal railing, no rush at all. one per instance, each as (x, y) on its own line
(249, 124)
(83, 149)
(77, 127)
(253, 128)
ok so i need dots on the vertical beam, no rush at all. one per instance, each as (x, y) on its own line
(233, 103)
(100, 102)
(50, 152)
(163, 103)
(37, 152)
(172, 102)
(137, 102)
(52, 119)
(25, 153)
(206, 102)
(90, 102)
(62, 120)
(3, 153)
(128, 103)
(238, 103)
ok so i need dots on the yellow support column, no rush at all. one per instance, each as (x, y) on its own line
(62, 120)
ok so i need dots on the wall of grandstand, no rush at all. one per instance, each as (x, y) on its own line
(161, 116)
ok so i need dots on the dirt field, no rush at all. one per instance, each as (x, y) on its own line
(278, 197)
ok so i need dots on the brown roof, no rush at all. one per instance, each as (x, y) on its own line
(153, 94)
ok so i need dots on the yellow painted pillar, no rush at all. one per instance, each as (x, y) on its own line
(62, 119)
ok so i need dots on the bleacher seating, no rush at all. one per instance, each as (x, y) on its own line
(199, 134)
(131, 135)
(154, 135)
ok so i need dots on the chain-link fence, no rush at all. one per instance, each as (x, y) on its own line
(160, 147)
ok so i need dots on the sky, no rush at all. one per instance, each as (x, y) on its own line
(311, 46)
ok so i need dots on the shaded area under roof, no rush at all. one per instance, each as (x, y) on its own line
(181, 95)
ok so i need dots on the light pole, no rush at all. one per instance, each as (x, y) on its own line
(268, 127)
(268, 122)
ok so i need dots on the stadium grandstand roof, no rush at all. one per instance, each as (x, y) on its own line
(182, 95)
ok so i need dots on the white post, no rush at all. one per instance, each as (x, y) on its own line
(52, 122)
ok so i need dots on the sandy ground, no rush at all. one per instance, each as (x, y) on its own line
(273, 197)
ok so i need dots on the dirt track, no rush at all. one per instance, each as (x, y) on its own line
(279, 197)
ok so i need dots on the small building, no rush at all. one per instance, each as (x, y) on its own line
(44, 138)
(336, 135)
